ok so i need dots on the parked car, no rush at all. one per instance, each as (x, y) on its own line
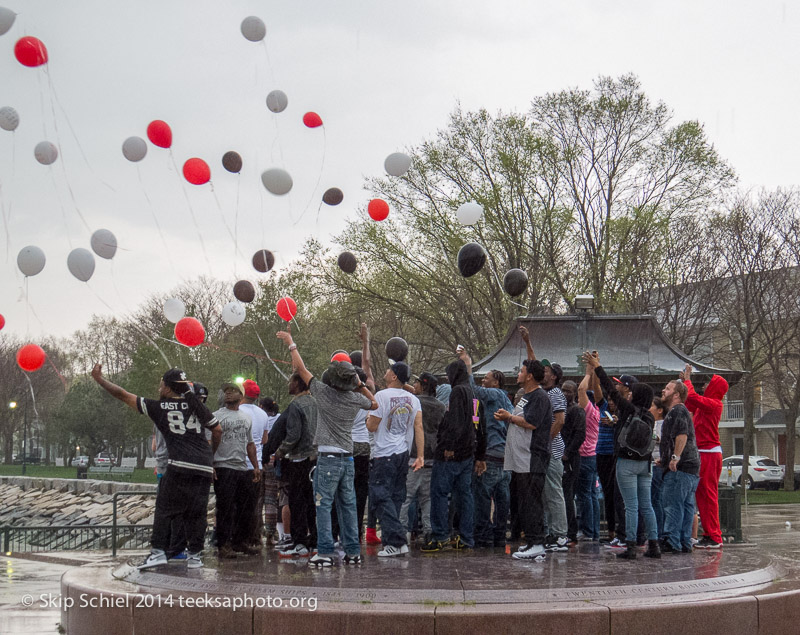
(763, 472)
(103, 459)
(80, 461)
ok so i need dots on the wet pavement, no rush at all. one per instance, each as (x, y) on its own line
(767, 562)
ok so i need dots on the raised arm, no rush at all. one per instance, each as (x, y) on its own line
(526, 337)
(363, 335)
(583, 398)
(297, 361)
(129, 399)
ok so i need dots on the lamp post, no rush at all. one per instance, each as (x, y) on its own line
(255, 363)
(13, 406)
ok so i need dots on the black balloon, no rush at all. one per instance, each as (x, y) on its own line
(333, 196)
(232, 162)
(355, 358)
(515, 282)
(471, 258)
(397, 349)
(263, 260)
(347, 262)
(244, 291)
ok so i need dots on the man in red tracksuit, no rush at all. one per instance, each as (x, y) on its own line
(706, 410)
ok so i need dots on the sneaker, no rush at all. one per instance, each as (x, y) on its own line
(530, 552)
(666, 547)
(226, 552)
(194, 561)
(390, 551)
(179, 556)
(403, 550)
(320, 561)
(708, 543)
(458, 544)
(157, 557)
(694, 541)
(352, 559)
(283, 543)
(687, 549)
(616, 544)
(557, 544)
(294, 551)
(372, 536)
(432, 546)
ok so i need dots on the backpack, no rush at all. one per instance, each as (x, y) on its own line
(637, 436)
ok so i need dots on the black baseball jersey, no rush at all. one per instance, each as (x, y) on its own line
(187, 447)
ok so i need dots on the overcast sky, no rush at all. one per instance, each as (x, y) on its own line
(383, 77)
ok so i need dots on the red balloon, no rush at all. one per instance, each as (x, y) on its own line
(286, 309)
(2, 322)
(30, 51)
(378, 209)
(160, 133)
(31, 357)
(312, 120)
(196, 171)
(190, 332)
(341, 357)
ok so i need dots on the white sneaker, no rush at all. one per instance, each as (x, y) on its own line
(559, 544)
(156, 558)
(389, 551)
(530, 552)
(194, 561)
(320, 561)
(299, 551)
(616, 544)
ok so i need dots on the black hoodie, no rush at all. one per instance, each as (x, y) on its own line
(457, 430)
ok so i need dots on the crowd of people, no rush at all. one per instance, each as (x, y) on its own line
(454, 463)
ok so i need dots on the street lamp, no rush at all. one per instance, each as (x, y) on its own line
(255, 363)
(13, 406)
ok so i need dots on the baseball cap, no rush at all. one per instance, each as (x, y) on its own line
(556, 368)
(626, 380)
(236, 387)
(251, 389)
(175, 380)
(428, 380)
(402, 371)
(200, 389)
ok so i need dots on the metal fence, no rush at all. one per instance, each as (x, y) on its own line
(734, 411)
(75, 537)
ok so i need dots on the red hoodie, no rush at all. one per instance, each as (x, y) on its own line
(706, 410)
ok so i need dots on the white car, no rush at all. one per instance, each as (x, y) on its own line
(764, 472)
(80, 461)
(103, 459)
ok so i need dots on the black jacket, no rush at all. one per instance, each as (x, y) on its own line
(625, 410)
(457, 430)
(574, 431)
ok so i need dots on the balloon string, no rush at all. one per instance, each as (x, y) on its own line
(236, 222)
(60, 376)
(191, 213)
(5, 222)
(268, 356)
(33, 398)
(224, 222)
(494, 271)
(319, 178)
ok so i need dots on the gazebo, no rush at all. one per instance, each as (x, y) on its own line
(628, 344)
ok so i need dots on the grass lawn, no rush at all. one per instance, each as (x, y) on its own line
(777, 497)
(46, 471)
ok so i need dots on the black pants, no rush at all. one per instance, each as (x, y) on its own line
(572, 468)
(231, 488)
(612, 499)
(182, 501)
(301, 502)
(361, 483)
(530, 505)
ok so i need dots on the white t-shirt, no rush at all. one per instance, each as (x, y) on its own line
(397, 409)
(271, 419)
(260, 419)
(360, 432)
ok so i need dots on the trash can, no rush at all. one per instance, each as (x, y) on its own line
(83, 471)
(730, 512)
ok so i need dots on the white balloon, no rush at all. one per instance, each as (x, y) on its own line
(80, 263)
(233, 314)
(7, 17)
(104, 244)
(174, 310)
(30, 260)
(397, 164)
(253, 28)
(469, 213)
(45, 152)
(9, 118)
(277, 101)
(277, 181)
(134, 148)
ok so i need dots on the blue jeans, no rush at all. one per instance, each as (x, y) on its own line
(387, 491)
(333, 480)
(655, 498)
(456, 478)
(494, 483)
(633, 478)
(588, 502)
(677, 497)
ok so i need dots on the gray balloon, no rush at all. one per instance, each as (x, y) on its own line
(134, 148)
(253, 28)
(80, 263)
(397, 164)
(104, 244)
(7, 17)
(515, 282)
(9, 118)
(277, 101)
(277, 181)
(30, 260)
(45, 152)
